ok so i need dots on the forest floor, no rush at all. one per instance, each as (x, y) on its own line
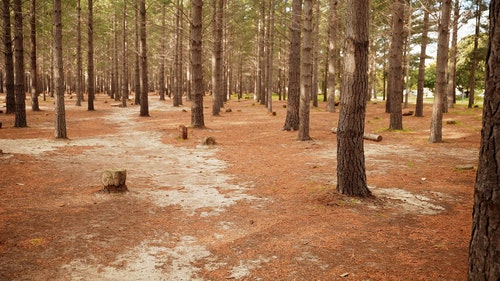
(258, 205)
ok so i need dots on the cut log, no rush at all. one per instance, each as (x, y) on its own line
(366, 136)
(114, 180)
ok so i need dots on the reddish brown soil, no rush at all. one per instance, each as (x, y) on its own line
(259, 205)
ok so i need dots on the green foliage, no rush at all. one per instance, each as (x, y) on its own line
(465, 50)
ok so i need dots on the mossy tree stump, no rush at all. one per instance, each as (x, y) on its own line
(114, 180)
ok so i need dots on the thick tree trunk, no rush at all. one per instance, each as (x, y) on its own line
(19, 82)
(197, 119)
(60, 118)
(396, 65)
(90, 54)
(306, 75)
(10, 98)
(419, 106)
(351, 172)
(292, 113)
(79, 68)
(436, 134)
(484, 251)
(217, 78)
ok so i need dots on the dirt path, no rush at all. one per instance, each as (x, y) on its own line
(257, 206)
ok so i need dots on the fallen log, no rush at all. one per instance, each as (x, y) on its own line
(113, 180)
(366, 136)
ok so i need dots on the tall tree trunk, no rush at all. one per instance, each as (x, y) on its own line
(332, 53)
(452, 73)
(115, 77)
(261, 72)
(90, 53)
(315, 55)
(60, 115)
(306, 75)
(351, 172)
(197, 119)
(144, 61)
(161, 79)
(436, 134)
(177, 100)
(484, 246)
(217, 72)
(419, 106)
(472, 84)
(34, 67)
(396, 65)
(137, 67)
(79, 68)
(292, 112)
(270, 57)
(19, 82)
(10, 98)
(124, 94)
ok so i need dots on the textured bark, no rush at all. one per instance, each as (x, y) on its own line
(10, 98)
(351, 172)
(90, 57)
(315, 55)
(34, 71)
(484, 251)
(472, 85)
(60, 118)
(292, 113)
(332, 53)
(177, 100)
(124, 87)
(261, 70)
(161, 71)
(270, 57)
(396, 66)
(137, 66)
(197, 119)
(144, 111)
(436, 134)
(419, 106)
(217, 72)
(19, 82)
(452, 75)
(306, 74)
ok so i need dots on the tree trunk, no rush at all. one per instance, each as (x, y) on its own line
(161, 79)
(60, 118)
(10, 98)
(34, 71)
(396, 65)
(452, 73)
(351, 172)
(292, 113)
(217, 78)
(79, 68)
(332, 53)
(137, 67)
(472, 84)
(115, 77)
(484, 248)
(144, 61)
(436, 134)
(197, 119)
(270, 57)
(90, 53)
(315, 55)
(261, 71)
(419, 106)
(19, 82)
(124, 94)
(306, 75)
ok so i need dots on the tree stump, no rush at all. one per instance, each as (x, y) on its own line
(113, 180)
(183, 132)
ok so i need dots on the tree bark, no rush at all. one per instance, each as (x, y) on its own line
(60, 115)
(90, 54)
(436, 134)
(452, 73)
(292, 113)
(396, 66)
(306, 74)
(144, 61)
(197, 118)
(19, 81)
(161, 79)
(10, 97)
(217, 73)
(419, 106)
(35, 106)
(124, 94)
(484, 253)
(472, 85)
(137, 67)
(79, 68)
(270, 57)
(351, 172)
